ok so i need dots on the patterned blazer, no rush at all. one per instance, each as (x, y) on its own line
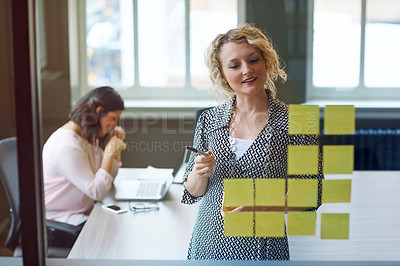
(265, 158)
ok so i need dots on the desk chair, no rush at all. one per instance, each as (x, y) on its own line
(9, 179)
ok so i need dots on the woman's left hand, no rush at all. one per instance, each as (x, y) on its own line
(119, 132)
(236, 209)
(114, 146)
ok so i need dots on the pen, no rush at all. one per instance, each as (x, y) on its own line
(197, 151)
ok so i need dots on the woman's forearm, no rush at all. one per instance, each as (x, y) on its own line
(195, 185)
(107, 162)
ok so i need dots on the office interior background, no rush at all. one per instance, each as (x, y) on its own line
(335, 52)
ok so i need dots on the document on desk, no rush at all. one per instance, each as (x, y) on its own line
(151, 184)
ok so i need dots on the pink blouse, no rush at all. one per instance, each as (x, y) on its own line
(73, 179)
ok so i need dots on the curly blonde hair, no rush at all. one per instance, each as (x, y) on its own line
(253, 36)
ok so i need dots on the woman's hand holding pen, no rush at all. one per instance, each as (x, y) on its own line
(204, 165)
(197, 181)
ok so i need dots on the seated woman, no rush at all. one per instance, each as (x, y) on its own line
(81, 158)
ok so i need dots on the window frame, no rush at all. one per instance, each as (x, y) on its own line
(361, 93)
(136, 96)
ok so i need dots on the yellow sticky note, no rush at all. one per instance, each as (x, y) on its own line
(301, 223)
(336, 190)
(335, 225)
(303, 159)
(270, 224)
(339, 120)
(338, 159)
(302, 192)
(303, 119)
(270, 192)
(238, 192)
(239, 224)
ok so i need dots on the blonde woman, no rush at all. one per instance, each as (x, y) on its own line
(246, 137)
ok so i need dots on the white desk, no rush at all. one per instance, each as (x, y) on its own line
(162, 234)
(374, 227)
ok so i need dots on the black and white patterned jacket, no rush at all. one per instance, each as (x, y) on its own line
(265, 158)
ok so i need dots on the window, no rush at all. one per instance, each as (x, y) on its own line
(149, 49)
(354, 51)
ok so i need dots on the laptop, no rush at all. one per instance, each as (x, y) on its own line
(152, 184)
(182, 168)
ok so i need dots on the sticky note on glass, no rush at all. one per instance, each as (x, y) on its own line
(338, 159)
(336, 190)
(303, 119)
(238, 192)
(301, 223)
(238, 224)
(339, 120)
(303, 159)
(335, 225)
(270, 224)
(270, 192)
(302, 192)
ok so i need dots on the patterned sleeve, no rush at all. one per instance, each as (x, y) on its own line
(198, 142)
(311, 140)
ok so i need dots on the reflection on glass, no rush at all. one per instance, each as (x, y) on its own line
(382, 43)
(161, 42)
(336, 48)
(109, 40)
(207, 19)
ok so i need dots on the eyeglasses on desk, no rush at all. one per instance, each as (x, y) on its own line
(141, 207)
